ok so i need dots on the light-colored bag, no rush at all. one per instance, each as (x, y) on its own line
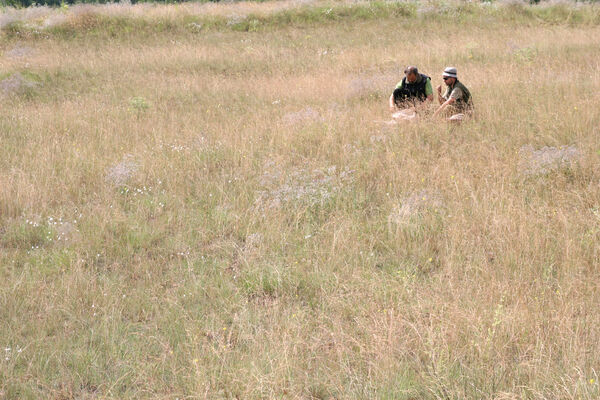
(405, 115)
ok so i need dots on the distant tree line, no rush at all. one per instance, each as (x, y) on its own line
(58, 3)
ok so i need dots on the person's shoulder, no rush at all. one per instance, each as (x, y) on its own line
(457, 92)
(399, 84)
(462, 85)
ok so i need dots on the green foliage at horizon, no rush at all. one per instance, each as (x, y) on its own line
(95, 23)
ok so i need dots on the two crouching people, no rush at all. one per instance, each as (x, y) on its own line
(415, 93)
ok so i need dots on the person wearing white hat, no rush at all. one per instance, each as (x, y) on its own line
(457, 97)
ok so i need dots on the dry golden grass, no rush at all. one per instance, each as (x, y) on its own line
(172, 225)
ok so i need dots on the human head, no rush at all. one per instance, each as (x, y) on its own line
(411, 73)
(449, 76)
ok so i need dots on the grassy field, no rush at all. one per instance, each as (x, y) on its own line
(200, 202)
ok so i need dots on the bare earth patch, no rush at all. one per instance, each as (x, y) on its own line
(16, 84)
(19, 52)
(121, 173)
(547, 159)
(309, 186)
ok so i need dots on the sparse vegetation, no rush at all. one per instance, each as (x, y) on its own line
(199, 201)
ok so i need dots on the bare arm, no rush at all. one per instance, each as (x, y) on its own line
(444, 105)
(439, 92)
(392, 104)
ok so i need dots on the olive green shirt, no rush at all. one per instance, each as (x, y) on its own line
(461, 95)
(455, 93)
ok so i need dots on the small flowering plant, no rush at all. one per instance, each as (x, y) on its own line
(138, 105)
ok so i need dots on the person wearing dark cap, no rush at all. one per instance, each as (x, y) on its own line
(457, 97)
(414, 89)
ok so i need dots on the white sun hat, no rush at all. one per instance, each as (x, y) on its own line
(449, 72)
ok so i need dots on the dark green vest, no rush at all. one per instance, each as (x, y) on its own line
(465, 103)
(411, 91)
